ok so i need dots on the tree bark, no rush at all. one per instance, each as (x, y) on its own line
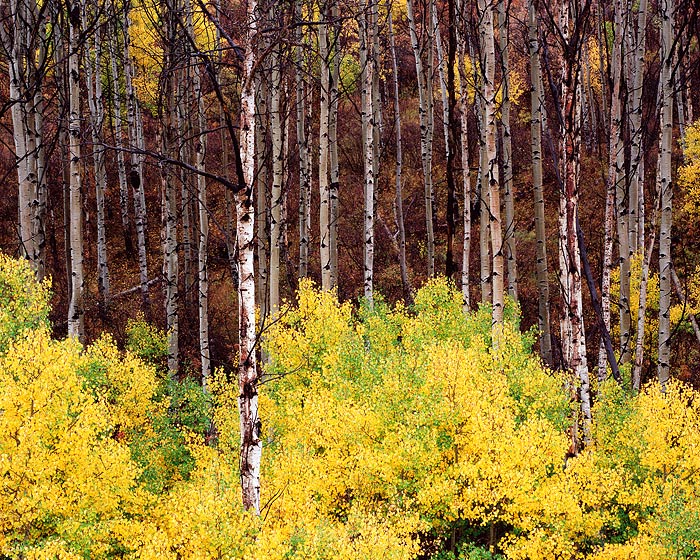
(250, 425)
(666, 187)
(536, 109)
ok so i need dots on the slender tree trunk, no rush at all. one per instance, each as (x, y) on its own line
(114, 48)
(250, 425)
(95, 102)
(425, 111)
(303, 152)
(136, 176)
(573, 335)
(75, 308)
(464, 145)
(263, 208)
(504, 38)
(334, 184)
(488, 65)
(536, 109)
(616, 181)
(324, 152)
(367, 60)
(636, 184)
(276, 130)
(407, 289)
(666, 147)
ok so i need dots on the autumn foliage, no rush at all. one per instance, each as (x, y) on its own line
(390, 432)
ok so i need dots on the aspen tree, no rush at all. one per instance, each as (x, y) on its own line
(572, 25)
(324, 148)
(75, 309)
(169, 118)
(261, 134)
(276, 133)
(367, 61)
(114, 48)
(399, 160)
(490, 168)
(634, 111)
(462, 51)
(96, 105)
(616, 181)
(250, 425)
(452, 211)
(334, 168)
(507, 157)
(303, 154)
(424, 74)
(136, 175)
(666, 8)
(536, 109)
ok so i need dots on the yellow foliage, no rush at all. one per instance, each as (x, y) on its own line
(689, 173)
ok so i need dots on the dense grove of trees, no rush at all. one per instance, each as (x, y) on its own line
(173, 161)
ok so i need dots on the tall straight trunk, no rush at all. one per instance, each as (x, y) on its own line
(61, 77)
(334, 184)
(608, 241)
(169, 140)
(200, 150)
(464, 145)
(424, 75)
(324, 151)
(407, 290)
(183, 148)
(95, 102)
(38, 67)
(263, 209)
(136, 176)
(666, 8)
(75, 309)
(276, 130)
(452, 211)
(367, 60)
(510, 250)
(573, 334)
(490, 170)
(616, 181)
(250, 425)
(303, 151)
(114, 48)
(536, 109)
(634, 111)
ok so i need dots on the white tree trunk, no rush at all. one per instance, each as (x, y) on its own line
(666, 147)
(536, 109)
(75, 308)
(250, 426)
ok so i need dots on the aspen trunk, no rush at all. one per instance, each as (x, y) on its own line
(510, 250)
(452, 210)
(303, 152)
(399, 163)
(95, 102)
(250, 425)
(114, 47)
(573, 335)
(334, 184)
(536, 108)
(367, 61)
(276, 130)
(490, 170)
(324, 152)
(424, 75)
(263, 209)
(666, 187)
(75, 308)
(136, 176)
(616, 181)
(636, 184)
(466, 179)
